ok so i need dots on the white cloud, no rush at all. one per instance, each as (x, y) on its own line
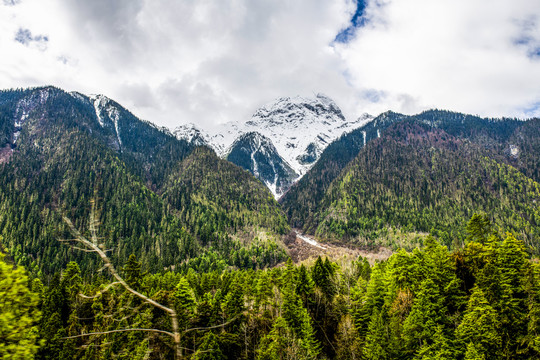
(455, 54)
(211, 61)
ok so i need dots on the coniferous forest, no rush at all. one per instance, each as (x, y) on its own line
(120, 241)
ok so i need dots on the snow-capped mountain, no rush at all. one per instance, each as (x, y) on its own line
(256, 153)
(299, 128)
(193, 135)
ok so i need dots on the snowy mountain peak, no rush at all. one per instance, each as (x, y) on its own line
(108, 113)
(365, 117)
(192, 134)
(301, 128)
(298, 128)
(294, 110)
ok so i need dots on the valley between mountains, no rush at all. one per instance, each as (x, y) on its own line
(296, 233)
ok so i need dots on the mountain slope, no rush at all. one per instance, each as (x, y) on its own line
(256, 153)
(303, 198)
(417, 178)
(497, 138)
(221, 196)
(60, 157)
(192, 134)
(300, 128)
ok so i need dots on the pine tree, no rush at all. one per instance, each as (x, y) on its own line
(304, 287)
(309, 343)
(209, 349)
(532, 339)
(376, 343)
(291, 308)
(234, 306)
(441, 347)
(264, 290)
(132, 272)
(55, 309)
(480, 325)
(426, 314)
(322, 273)
(184, 302)
(473, 353)
(72, 281)
(478, 228)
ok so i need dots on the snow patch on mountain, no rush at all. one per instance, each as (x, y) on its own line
(257, 154)
(300, 129)
(107, 113)
(25, 107)
(192, 134)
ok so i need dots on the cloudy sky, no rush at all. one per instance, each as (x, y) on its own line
(212, 61)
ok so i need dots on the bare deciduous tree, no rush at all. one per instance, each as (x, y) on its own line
(94, 246)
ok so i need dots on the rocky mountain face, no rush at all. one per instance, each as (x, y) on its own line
(298, 128)
(192, 134)
(256, 153)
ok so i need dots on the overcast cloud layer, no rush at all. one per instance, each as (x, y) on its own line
(208, 62)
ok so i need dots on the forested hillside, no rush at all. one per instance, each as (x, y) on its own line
(155, 201)
(303, 199)
(425, 174)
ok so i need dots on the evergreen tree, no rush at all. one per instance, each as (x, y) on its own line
(209, 349)
(480, 326)
(72, 281)
(305, 285)
(376, 344)
(473, 353)
(532, 339)
(264, 290)
(132, 272)
(440, 349)
(426, 314)
(184, 302)
(478, 228)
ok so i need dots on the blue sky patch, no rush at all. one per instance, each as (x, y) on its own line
(532, 110)
(358, 20)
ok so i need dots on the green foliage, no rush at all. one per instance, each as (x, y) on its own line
(132, 272)
(480, 326)
(429, 303)
(478, 228)
(19, 314)
(209, 349)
